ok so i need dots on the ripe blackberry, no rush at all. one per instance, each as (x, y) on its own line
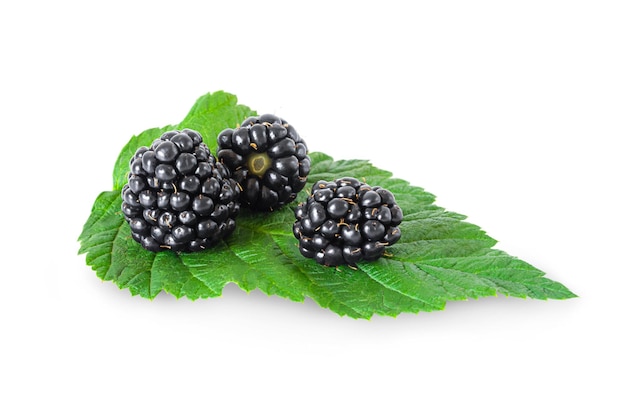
(346, 221)
(178, 197)
(268, 159)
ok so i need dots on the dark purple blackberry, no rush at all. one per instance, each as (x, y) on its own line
(346, 221)
(178, 197)
(268, 159)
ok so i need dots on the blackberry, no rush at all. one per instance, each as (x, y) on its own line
(178, 197)
(346, 221)
(268, 159)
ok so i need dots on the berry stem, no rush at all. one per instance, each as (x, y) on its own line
(258, 163)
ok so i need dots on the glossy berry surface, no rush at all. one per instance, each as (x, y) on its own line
(346, 221)
(178, 196)
(268, 159)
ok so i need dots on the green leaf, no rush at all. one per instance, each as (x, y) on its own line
(440, 257)
(210, 114)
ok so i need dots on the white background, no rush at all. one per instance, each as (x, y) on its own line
(509, 112)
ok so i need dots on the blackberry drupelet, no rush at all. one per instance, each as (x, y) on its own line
(346, 221)
(268, 159)
(178, 197)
